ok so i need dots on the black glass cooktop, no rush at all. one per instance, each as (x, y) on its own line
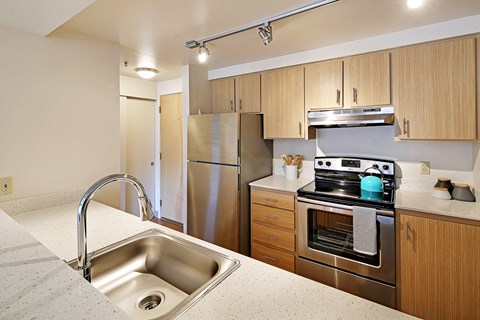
(346, 193)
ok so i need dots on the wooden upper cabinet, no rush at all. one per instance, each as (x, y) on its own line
(247, 93)
(283, 103)
(239, 94)
(439, 268)
(367, 80)
(222, 93)
(324, 85)
(437, 91)
(357, 81)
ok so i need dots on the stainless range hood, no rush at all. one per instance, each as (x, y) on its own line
(356, 117)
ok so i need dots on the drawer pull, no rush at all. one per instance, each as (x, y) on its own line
(270, 199)
(271, 238)
(270, 258)
(269, 216)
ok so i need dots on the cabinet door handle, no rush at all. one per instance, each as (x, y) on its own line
(300, 128)
(270, 200)
(355, 97)
(406, 127)
(338, 96)
(271, 238)
(240, 104)
(270, 258)
(231, 105)
(406, 232)
(269, 216)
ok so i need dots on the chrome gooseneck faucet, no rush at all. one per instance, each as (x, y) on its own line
(83, 263)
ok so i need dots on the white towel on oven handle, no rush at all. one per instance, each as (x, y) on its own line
(365, 230)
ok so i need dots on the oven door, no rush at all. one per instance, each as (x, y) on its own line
(325, 236)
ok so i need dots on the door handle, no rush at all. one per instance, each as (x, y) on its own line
(355, 97)
(240, 104)
(300, 128)
(231, 105)
(338, 96)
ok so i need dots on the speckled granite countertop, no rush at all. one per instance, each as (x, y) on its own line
(280, 183)
(51, 290)
(423, 201)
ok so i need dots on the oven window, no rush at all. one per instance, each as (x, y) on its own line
(333, 233)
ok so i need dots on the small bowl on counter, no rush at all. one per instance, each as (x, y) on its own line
(441, 193)
(445, 183)
(462, 192)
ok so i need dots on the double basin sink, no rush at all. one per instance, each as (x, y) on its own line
(157, 276)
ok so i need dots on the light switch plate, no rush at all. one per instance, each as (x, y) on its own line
(424, 167)
(6, 186)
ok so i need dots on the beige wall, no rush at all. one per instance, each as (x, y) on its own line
(59, 111)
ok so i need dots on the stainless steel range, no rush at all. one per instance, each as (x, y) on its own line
(325, 245)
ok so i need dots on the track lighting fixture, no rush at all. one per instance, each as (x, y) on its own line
(203, 53)
(265, 32)
(264, 29)
(146, 73)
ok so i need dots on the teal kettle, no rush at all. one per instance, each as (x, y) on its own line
(371, 187)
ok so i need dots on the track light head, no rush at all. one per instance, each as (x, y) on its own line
(203, 53)
(265, 32)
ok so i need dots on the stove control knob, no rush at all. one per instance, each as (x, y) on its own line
(375, 166)
(328, 163)
(385, 167)
(320, 163)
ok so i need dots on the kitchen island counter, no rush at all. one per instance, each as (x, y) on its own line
(254, 291)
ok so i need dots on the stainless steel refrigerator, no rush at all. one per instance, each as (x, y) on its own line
(226, 152)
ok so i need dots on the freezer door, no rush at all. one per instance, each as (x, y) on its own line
(213, 206)
(213, 138)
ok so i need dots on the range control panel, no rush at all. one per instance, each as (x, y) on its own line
(355, 165)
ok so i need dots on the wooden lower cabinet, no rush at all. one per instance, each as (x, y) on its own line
(274, 257)
(439, 268)
(273, 228)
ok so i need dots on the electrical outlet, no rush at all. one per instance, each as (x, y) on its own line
(6, 185)
(424, 167)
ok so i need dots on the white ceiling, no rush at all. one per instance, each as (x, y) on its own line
(39, 17)
(152, 33)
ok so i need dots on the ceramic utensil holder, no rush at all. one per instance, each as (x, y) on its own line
(291, 172)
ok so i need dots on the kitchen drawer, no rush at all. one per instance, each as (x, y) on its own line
(273, 216)
(273, 257)
(273, 237)
(273, 199)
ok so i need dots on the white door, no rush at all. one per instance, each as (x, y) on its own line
(171, 173)
(139, 149)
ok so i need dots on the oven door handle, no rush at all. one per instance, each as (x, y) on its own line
(337, 208)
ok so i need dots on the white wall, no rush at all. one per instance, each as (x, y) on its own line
(59, 111)
(457, 160)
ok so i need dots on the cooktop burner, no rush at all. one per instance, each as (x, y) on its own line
(337, 179)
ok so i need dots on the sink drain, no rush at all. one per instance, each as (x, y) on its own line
(151, 301)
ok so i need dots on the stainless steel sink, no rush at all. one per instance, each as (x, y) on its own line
(157, 276)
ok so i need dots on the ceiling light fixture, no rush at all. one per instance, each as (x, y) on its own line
(203, 53)
(414, 4)
(265, 32)
(264, 28)
(146, 73)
